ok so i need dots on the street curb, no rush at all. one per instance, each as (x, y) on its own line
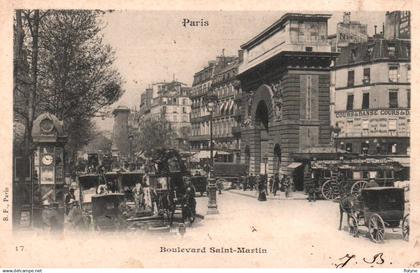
(269, 198)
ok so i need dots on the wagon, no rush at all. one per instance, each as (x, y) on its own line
(378, 208)
(168, 186)
(338, 178)
(107, 212)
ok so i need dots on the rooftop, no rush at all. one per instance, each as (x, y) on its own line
(280, 23)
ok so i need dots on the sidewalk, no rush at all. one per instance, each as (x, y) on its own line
(298, 195)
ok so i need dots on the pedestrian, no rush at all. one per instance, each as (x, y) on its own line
(270, 184)
(276, 184)
(310, 186)
(251, 181)
(138, 197)
(189, 199)
(262, 188)
(286, 185)
(70, 197)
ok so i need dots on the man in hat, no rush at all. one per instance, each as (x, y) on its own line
(70, 197)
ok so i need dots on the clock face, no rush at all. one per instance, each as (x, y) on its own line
(47, 160)
(46, 125)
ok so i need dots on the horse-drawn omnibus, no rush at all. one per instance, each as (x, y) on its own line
(337, 178)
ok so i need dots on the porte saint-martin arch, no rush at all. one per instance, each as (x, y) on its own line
(285, 79)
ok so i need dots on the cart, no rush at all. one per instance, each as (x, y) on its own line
(168, 186)
(378, 208)
(107, 213)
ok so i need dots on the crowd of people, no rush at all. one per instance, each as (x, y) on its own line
(276, 183)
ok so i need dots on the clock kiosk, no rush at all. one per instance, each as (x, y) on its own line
(48, 163)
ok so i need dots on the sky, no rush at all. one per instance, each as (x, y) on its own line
(153, 46)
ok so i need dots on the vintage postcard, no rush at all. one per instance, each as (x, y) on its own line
(225, 135)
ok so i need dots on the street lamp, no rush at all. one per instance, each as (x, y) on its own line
(212, 187)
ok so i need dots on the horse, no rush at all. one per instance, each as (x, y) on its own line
(346, 205)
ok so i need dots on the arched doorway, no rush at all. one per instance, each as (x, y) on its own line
(277, 158)
(261, 116)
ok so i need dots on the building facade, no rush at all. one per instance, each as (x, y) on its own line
(285, 80)
(200, 116)
(397, 25)
(169, 101)
(225, 87)
(372, 97)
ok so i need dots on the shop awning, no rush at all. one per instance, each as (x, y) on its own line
(230, 106)
(222, 107)
(294, 165)
(206, 154)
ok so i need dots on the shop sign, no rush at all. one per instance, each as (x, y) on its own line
(376, 112)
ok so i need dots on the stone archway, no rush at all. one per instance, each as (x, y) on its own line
(262, 117)
(263, 95)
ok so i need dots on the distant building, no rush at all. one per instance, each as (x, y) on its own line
(120, 132)
(397, 25)
(225, 124)
(201, 88)
(169, 101)
(372, 97)
(348, 32)
(146, 102)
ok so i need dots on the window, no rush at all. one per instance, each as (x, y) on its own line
(366, 75)
(370, 50)
(408, 73)
(350, 78)
(353, 54)
(408, 98)
(393, 99)
(365, 101)
(393, 73)
(392, 148)
(184, 110)
(391, 51)
(350, 99)
(364, 148)
(349, 147)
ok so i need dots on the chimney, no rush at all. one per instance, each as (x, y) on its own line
(375, 28)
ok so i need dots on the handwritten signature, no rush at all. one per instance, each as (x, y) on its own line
(378, 258)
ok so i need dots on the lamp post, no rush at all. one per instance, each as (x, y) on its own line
(212, 187)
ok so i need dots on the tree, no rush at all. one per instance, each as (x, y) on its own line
(153, 134)
(63, 67)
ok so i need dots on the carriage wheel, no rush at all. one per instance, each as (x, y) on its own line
(357, 188)
(406, 227)
(376, 228)
(353, 225)
(327, 190)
